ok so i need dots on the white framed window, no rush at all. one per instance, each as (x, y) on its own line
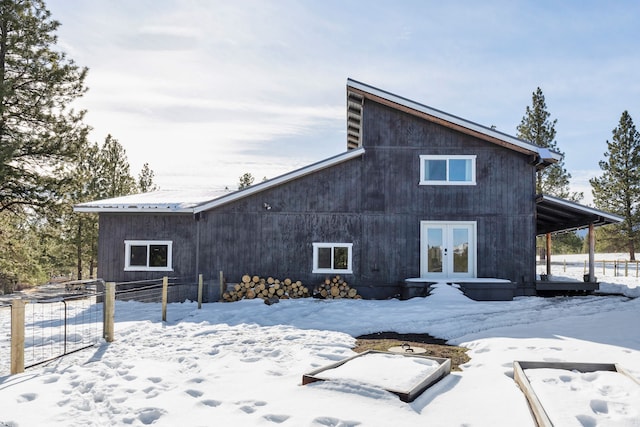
(447, 170)
(148, 255)
(332, 258)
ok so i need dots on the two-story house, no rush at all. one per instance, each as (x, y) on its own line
(419, 194)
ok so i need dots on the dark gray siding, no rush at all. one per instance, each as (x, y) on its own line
(116, 228)
(374, 202)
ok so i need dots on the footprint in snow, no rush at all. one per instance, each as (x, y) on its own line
(194, 393)
(151, 392)
(250, 406)
(27, 397)
(599, 406)
(150, 415)
(333, 422)
(278, 419)
(51, 379)
(211, 403)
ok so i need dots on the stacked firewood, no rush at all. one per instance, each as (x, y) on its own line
(335, 288)
(268, 289)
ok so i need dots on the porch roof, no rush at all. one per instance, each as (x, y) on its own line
(554, 214)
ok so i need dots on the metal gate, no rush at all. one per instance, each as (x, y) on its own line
(54, 328)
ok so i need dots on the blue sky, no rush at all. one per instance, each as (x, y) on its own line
(208, 90)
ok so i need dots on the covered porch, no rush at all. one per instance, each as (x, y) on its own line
(555, 215)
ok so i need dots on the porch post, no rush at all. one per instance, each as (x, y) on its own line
(548, 254)
(592, 251)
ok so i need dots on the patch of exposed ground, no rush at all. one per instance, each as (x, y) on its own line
(435, 347)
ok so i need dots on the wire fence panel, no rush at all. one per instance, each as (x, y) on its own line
(5, 339)
(52, 329)
(61, 325)
(151, 291)
(56, 328)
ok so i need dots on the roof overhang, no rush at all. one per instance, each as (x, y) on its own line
(357, 92)
(559, 215)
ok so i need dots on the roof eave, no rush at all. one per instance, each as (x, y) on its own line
(129, 209)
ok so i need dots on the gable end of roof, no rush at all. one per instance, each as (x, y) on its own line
(357, 92)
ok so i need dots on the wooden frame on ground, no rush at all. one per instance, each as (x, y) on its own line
(410, 395)
(540, 415)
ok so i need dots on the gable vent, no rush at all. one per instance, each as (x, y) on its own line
(354, 120)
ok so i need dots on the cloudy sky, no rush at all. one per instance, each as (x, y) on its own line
(205, 91)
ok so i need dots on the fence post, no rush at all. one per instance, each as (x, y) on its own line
(199, 291)
(109, 309)
(17, 336)
(165, 288)
(222, 289)
(626, 268)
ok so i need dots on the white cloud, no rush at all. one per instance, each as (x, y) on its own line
(254, 83)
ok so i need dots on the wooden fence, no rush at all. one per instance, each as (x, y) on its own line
(108, 299)
(616, 268)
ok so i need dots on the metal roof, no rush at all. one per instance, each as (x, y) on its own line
(554, 215)
(192, 202)
(175, 201)
(357, 92)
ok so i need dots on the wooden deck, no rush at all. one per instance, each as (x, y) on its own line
(566, 286)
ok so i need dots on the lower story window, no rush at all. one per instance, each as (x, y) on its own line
(332, 257)
(148, 255)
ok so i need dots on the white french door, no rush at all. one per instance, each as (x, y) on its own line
(447, 249)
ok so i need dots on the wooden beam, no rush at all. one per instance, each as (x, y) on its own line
(592, 251)
(548, 236)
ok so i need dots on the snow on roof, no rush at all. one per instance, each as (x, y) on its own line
(158, 201)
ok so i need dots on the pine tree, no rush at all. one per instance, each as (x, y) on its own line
(114, 173)
(39, 132)
(246, 180)
(145, 180)
(617, 190)
(80, 230)
(537, 128)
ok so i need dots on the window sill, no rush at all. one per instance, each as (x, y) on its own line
(330, 271)
(446, 183)
(148, 269)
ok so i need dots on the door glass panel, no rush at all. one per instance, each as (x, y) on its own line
(434, 250)
(460, 250)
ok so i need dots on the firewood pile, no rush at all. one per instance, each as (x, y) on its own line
(268, 289)
(335, 288)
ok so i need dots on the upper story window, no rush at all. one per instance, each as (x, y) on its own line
(147, 255)
(447, 170)
(332, 258)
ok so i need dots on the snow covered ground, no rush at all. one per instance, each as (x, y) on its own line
(236, 364)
